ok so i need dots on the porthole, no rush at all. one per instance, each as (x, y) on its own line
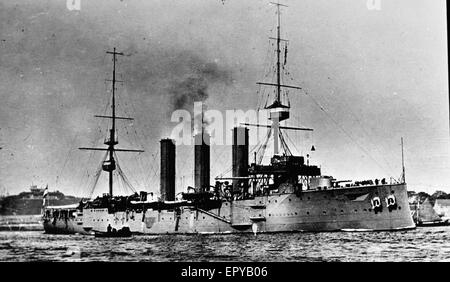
(295, 213)
(307, 212)
(289, 200)
(342, 210)
(399, 207)
(324, 212)
(275, 201)
(309, 198)
(356, 210)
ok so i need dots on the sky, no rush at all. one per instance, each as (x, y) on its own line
(369, 77)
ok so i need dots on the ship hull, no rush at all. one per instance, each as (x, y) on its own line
(63, 220)
(339, 209)
(63, 226)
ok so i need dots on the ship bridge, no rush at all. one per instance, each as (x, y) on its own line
(292, 165)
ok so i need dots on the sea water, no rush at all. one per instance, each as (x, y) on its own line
(421, 244)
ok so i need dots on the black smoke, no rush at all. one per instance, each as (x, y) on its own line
(194, 87)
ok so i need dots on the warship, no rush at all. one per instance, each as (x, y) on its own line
(287, 194)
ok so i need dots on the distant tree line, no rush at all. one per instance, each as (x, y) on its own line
(432, 198)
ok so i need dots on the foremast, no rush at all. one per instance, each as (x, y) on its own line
(285, 170)
(112, 139)
(278, 111)
(110, 164)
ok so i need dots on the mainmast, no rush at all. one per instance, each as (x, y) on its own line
(110, 164)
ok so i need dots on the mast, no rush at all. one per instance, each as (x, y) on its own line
(278, 111)
(418, 209)
(276, 118)
(403, 164)
(276, 121)
(112, 142)
(278, 54)
(110, 164)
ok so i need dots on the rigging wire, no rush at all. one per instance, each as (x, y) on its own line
(120, 187)
(97, 174)
(67, 158)
(151, 161)
(293, 144)
(84, 180)
(355, 118)
(150, 178)
(284, 144)
(229, 168)
(298, 135)
(345, 132)
(122, 175)
(155, 171)
(71, 150)
(267, 61)
(138, 160)
(261, 150)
